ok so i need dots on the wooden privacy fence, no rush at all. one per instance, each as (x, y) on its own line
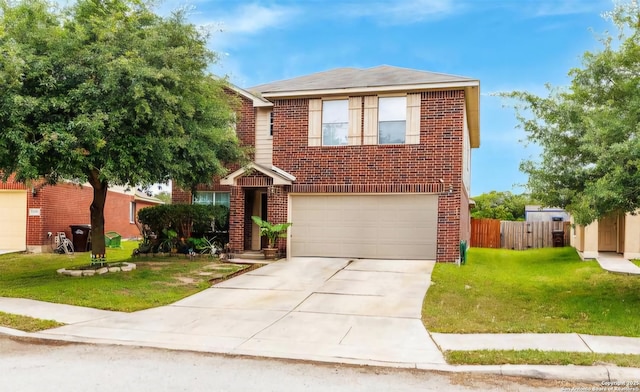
(493, 233)
(485, 233)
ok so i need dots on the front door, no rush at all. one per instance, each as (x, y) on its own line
(608, 234)
(256, 205)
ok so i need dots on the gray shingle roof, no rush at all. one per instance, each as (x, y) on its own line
(339, 78)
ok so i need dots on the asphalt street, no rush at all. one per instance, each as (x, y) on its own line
(27, 365)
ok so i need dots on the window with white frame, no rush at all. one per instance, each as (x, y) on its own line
(213, 198)
(392, 120)
(335, 122)
(132, 212)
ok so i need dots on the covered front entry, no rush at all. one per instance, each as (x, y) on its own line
(13, 220)
(255, 205)
(390, 226)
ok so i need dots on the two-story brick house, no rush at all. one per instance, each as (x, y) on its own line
(366, 163)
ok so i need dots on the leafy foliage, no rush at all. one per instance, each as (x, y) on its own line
(500, 205)
(110, 93)
(589, 132)
(185, 219)
(271, 231)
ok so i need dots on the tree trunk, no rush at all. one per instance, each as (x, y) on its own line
(98, 248)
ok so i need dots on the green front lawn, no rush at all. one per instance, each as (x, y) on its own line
(537, 357)
(25, 323)
(156, 281)
(540, 290)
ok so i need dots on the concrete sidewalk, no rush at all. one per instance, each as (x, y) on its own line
(365, 312)
(333, 310)
(615, 263)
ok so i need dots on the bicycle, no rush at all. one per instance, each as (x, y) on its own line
(63, 244)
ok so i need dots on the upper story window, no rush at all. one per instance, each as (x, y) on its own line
(215, 198)
(335, 122)
(271, 123)
(392, 120)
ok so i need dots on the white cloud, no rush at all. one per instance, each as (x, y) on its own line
(544, 8)
(407, 11)
(254, 18)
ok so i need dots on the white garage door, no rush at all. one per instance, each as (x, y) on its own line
(13, 220)
(365, 226)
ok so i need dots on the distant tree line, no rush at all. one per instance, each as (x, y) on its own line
(501, 205)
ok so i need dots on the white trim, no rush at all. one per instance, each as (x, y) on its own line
(375, 89)
(257, 101)
(279, 176)
(283, 173)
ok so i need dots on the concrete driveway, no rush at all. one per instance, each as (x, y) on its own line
(323, 309)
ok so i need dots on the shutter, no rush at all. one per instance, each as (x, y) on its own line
(315, 122)
(355, 121)
(371, 120)
(412, 135)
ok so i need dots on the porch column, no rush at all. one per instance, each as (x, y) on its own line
(277, 203)
(236, 220)
(631, 238)
(590, 241)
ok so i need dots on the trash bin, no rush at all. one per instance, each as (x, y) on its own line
(463, 252)
(112, 239)
(81, 237)
(558, 239)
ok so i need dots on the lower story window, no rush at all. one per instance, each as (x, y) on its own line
(214, 198)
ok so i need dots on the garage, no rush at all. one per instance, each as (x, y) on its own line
(365, 226)
(13, 220)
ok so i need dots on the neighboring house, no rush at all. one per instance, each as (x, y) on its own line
(534, 213)
(614, 233)
(28, 214)
(366, 163)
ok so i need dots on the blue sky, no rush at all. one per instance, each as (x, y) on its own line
(506, 44)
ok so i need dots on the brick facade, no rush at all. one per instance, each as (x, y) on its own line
(433, 166)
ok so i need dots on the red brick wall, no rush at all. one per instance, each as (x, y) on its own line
(277, 200)
(437, 157)
(420, 167)
(62, 205)
(236, 220)
(66, 204)
(246, 125)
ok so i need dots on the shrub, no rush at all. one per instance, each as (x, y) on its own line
(185, 218)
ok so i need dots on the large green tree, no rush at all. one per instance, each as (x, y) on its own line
(589, 131)
(108, 92)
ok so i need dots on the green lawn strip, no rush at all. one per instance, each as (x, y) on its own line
(537, 357)
(25, 323)
(539, 290)
(156, 281)
(636, 262)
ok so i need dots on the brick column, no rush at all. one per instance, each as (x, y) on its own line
(448, 227)
(277, 197)
(236, 220)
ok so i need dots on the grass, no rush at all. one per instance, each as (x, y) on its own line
(536, 357)
(636, 262)
(25, 323)
(540, 290)
(156, 281)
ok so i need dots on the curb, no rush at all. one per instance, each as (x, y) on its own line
(598, 374)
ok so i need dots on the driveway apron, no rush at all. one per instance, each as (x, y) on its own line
(322, 309)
